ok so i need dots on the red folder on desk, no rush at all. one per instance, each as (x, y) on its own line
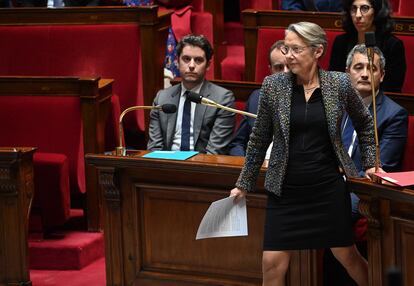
(398, 178)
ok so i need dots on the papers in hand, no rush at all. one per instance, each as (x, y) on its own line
(224, 218)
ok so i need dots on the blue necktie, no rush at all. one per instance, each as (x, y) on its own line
(347, 133)
(185, 125)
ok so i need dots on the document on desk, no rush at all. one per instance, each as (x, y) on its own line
(224, 218)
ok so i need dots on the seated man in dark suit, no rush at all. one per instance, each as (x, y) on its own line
(392, 124)
(277, 63)
(392, 119)
(194, 126)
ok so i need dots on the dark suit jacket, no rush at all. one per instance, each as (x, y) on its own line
(213, 128)
(392, 125)
(273, 123)
(239, 143)
(391, 47)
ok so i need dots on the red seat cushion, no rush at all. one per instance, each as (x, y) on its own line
(109, 51)
(360, 230)
(51, 123)
(51, 183)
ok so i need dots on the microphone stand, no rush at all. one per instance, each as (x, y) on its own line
(370, 53)
(208, 102)
(121, 149)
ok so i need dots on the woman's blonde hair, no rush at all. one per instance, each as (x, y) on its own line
(311, 33)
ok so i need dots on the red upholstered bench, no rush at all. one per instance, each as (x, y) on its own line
(54, 125)
(110, 51)
(52, 188)
(88, 42)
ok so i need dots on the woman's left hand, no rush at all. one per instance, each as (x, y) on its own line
(369, 172)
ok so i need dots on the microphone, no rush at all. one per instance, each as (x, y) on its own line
(370, 44)
(166, 108)
(199, 99)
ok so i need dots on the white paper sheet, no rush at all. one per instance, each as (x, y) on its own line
(224, 218)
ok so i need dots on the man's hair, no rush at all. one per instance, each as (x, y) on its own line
(362, 49)
(311, 33)
(276, 45)
(196, 41)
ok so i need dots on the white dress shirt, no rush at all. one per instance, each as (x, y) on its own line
(177, 134)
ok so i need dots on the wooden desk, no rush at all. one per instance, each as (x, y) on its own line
(390, 214)
(152, 211)
(16, 194)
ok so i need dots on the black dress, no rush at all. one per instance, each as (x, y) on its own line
(314, 210)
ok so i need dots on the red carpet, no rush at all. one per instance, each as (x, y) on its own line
(91, 275)
(74, 251)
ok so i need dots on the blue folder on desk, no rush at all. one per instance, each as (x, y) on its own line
(171, 155)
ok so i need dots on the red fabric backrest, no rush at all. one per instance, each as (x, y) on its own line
(395, 6)
(406, 8)
(109, 51)
(408, 86)
(330, 35)
(202, 24)
(265, 39)
(51, 123)
(198, 5)
(408, 160)
(267, 36)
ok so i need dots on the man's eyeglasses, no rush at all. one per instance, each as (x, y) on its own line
(296, 50)
(363, 9)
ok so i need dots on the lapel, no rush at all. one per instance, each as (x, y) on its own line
(330, 98)
(378, 103)
(200, 111)
(172, 117)
(284, 99)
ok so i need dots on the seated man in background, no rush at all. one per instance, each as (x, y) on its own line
(277, 63)
(194, 126)
(392, 119)
(392, 124)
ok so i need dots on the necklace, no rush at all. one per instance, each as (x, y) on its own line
(310, 88)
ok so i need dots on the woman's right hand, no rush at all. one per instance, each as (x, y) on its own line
(238, 194)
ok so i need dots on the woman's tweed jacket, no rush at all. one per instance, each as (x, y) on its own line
(338, 96)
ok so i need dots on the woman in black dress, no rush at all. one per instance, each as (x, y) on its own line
(359, 17)
(308, 206)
